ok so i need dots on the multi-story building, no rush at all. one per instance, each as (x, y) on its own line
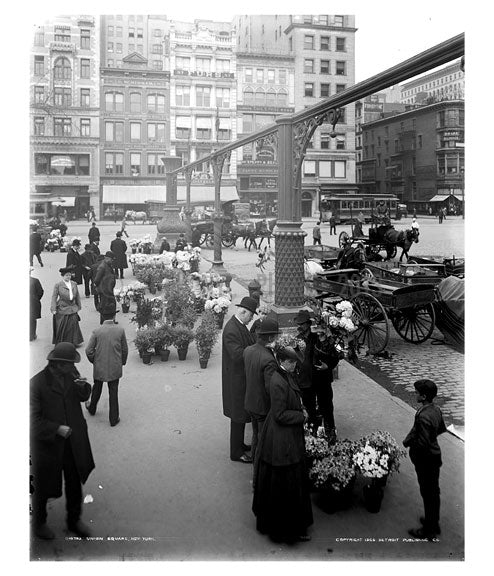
(265, 90)
(447, 83)
(323, 48)
(417, 155)
(203, 100)
(134, 112)
(64, 110)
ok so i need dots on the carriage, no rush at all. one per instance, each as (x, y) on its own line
(377, 302)
(231, 231)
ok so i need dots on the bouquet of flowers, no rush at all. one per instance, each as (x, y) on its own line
(337, 469)
(337, 323)
(53, 241)
(316, 447)
(218, 304)
(378, 455)
(287, 341)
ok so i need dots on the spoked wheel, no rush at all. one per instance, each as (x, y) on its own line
(393, 252)
(228, 240)
(372, 321)
(209, 241)
(343, 238)
(203, 238)
(414, 324)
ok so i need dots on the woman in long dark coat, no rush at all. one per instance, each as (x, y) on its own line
(35, 294)
(75, 259)
(282, 502)
(119, 247)
(65, 305)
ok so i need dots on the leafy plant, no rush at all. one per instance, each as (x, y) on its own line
(145, 339)
(182, 336)
(180, 304)
(206, 334)
(378, 455)
(336, 469)
(144, 313)
(164, 336)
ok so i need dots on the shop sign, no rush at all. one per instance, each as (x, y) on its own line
(204, 74)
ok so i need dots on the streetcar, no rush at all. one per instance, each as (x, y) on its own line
(347, 207)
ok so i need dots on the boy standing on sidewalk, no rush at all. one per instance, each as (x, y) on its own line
(425, 454)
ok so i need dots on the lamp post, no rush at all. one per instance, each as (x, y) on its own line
(462, 172)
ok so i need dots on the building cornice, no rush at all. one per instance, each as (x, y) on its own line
(264, 56)
(324, 27)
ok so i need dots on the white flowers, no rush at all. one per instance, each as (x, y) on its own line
(218, 305)
(347, 324)
(371, 463)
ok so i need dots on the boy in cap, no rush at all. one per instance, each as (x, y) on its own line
(425, 454)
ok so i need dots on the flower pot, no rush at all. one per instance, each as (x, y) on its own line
(165, 354)
(140, 353)
(152, 288)
(146, 357)
(330, 500)
(194, 266)
(182, 353)
(125, 308)
(134, 250)
(203, 362)
(373, 494)
(220, 319)
(157, 350)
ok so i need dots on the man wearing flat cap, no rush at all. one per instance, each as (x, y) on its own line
(260, 364)
(104, 281)
(236, 338)
(59, 439)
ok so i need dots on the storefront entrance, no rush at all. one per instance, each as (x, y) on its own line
(306, 205)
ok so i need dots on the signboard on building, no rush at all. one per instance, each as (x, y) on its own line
(270, 183)
(204, 74)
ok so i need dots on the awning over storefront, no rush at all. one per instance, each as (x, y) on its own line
(205, 194)
(67, 201)
(133, 194)
(443, 197)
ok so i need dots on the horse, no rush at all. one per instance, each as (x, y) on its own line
(134, 216)
(401, 239)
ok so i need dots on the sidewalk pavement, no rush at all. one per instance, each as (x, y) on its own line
(164, 487)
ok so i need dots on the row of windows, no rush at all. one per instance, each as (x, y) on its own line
(202, 133)
(62, 69)
(201, 64)
(202, 96)
(117, 47)
(432, 84)
(262, 98)
(114, 163)
(324, 89)
(325, 168)
(155, 131)
(415, 143)
(61, 165)
(63, 126)
(324, 43)
(310, 67)
(62, 34)
(265, 75)
(114, 102)
(155, 64)
(62, 96)
(324, 19)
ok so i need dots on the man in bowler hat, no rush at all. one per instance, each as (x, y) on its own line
(236, 337)
(59, 439)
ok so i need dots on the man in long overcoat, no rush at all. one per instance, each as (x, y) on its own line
(104, 280)
(35, 294)
(35, 246)
(236, 337)
(260, 364)
(74, 259)
(59, 439)
(119, 247)
(107, 351)
(93, 234)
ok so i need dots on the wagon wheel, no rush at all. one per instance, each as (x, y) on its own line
(203, 238)
(228, 240)
(393, 252)
(343, 238)
(414, 324)
(372, 321)
(209, 240)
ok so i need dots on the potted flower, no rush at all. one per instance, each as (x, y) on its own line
(164, 339)
(182, 337)
(206, 336)
(144, 342)
(377, 457)
(218, 305)
(133, 243)
(144, 313)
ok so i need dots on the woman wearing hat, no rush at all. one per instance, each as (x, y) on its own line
(65, 305)
(75, 259)
(282, 502)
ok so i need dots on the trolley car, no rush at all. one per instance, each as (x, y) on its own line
(347, 207)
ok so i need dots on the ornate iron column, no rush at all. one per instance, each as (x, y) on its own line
(170, 225)
(217, 163)
(188, 209)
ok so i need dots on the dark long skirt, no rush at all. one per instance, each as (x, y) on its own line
(282, 502)
(66, 329)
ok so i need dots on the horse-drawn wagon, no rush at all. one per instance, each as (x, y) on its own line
(376, 303)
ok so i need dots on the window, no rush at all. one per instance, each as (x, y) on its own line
(223, 97)
(248, 96)
(340, 88)
(110, 30)
(157, 65)
(271, 98)
(203, 128)
(41, 163)
(419, 141)
(325, 90)
(282, 98)
(62, 69)
(132, 32)
(114, 163)
(157, 49)
(85, 39)
(119, 48)
(132, 47)
(85, 68)
(341, 44)
(339, 169)
(325, 169)
(158, 33)
(203, 96)
(110, 63)
(135, 102)
(85, 127)
(309, 66)
(224, 134)
(325, 140)
(156, 132)
(260, 97)
(155, 164)
(290, 44)
(339, 21)
(325, 67)
(247, 123)
(39, 94)
(156, 103)
(222, 65)
(114, 102)
(85, 97)
(309, 89)
(109, 47)
(248, 74)
(307, 19)
(397, 146)
(139, 49)
(325, 43)
(62, 97)
(282, 76)
(139, 32)
(308, 42)
(135, 131)
(135, 163)
(62, 127)
(260, 75)
(182, 63)
(323, 20)
(309, 168)
(39, 126)
(62, 34)
(114, 131)
(341, 142)
(203, 64)
(182, 96)
(39, 65)
(340, 68)
(270, 76)
(39, 37)
(118, 32)
(182, 132)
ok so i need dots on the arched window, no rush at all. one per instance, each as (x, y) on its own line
(282, 98)
(271, 98)
(260, 98)
(248, 96)
(62, 69)
(135, 102)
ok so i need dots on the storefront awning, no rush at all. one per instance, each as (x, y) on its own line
(205, 194)
(133, 194)
(66, 201)
(443, 197)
